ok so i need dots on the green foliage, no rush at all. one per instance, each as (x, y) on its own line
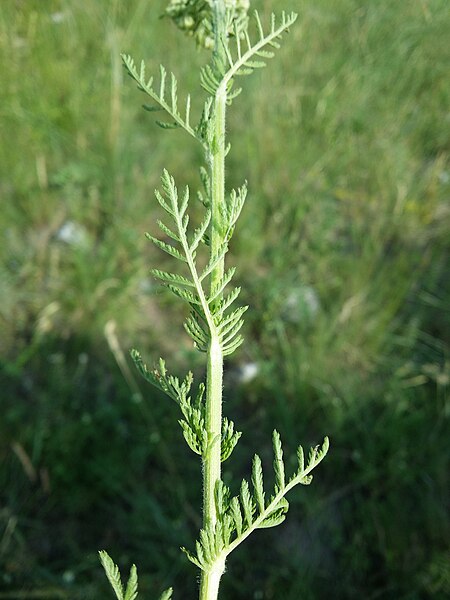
(240, 515)
(212, 325)
(209, 317)
(130, 592)
(342, 259)
(113, 575)
(169, 105)
(193, 423)
(246, 60)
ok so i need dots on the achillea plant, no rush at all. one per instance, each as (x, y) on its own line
(238, 48)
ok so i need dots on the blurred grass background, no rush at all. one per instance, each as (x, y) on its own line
(342, 254)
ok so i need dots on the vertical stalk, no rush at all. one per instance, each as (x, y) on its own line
(209, 584)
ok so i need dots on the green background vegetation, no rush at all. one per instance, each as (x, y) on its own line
(341, 253)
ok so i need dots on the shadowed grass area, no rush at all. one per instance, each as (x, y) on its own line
(342, 253)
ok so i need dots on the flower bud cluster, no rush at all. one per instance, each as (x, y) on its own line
(195, 17)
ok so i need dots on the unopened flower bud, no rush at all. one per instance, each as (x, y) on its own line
(195, 17)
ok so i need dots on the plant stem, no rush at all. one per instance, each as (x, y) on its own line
(209, 584)
(214, 375)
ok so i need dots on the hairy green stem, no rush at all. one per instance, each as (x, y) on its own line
(212, 463)
(209, 584)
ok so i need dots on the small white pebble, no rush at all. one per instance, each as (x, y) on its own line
(58, 17)
(248, 372)
(72, 233)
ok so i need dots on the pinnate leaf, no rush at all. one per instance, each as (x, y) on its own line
(112, 573)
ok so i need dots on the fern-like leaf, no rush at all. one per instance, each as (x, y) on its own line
(257, 480)
(222, 497)
(232, 346)
(169, 384)
(214, 261)
(172, 278)
(228, 300)
(168, 102)
(184, 294)
(247, 503)
(168, 248)
(182, 249)
(231, 324)
(239, 516)
(131, 591)
(193, 422)
(168, 231)
(176, 206)
(234, 207)
(200, 231)
(112, 573)
(246, 60)
(209, 79)
(204, 129)
(208, 319)
(277, 516)
(221, 285)
(230, 438)
(195, 329)
(206, 182)
(278, 464)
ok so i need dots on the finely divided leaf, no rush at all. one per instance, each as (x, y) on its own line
(165, 125)
(168, 248)
(235, 510)
(200, 231)
(112, 573)
(229, 439)
(247, 61)
(241, 515)
(184, 294)
(168, 231)
(169, 102)
(231, 324)
(173, 278)
(257, 481)
(132, 591)
(229, 299)
(278, 463)
(277, 516)
(222, 497)
(247, 503)
(221, 285)
(214, 261)
(199, 335)
(232, 346)
(301, 459)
